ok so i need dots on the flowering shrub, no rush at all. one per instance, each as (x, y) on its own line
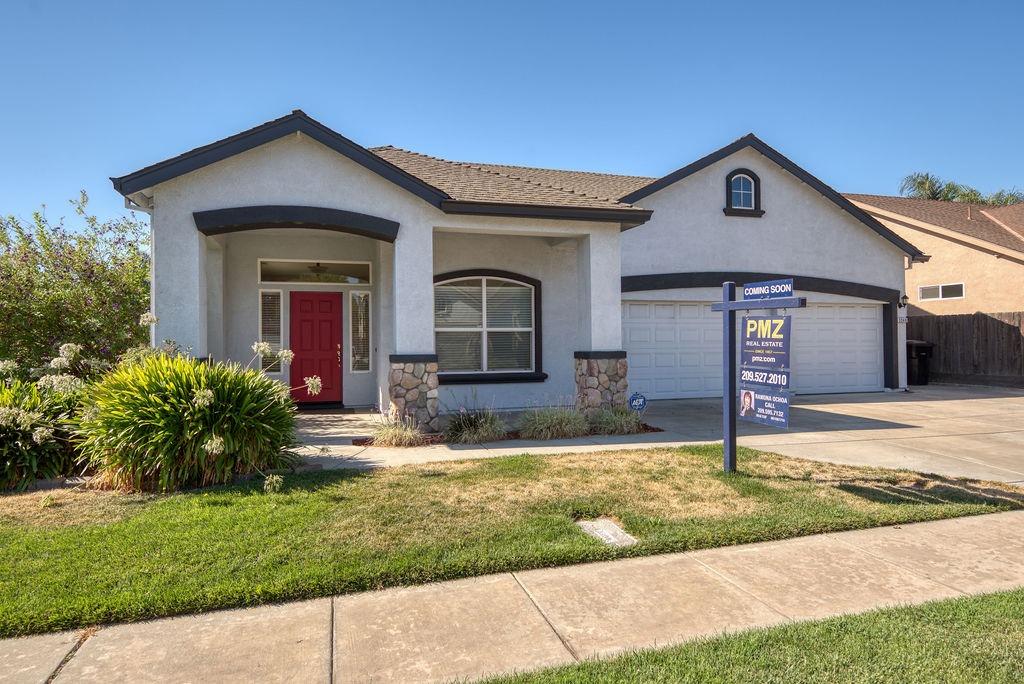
(88, 284)
(166, 421)
(34, 437)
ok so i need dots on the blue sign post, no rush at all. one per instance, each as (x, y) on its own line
(774, 400)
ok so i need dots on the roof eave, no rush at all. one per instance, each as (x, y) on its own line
(626, 217)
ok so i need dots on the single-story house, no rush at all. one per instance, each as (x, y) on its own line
(977, 253)
(423, 285)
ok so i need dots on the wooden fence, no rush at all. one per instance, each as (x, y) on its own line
(983, 348)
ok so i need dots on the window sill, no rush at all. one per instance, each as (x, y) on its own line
(489, 378)
(749, 213)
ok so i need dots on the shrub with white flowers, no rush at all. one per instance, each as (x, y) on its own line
(34, 433)
(148, 319)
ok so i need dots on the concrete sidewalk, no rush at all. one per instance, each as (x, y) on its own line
(526, 620)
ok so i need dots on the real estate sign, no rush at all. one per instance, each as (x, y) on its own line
(765, 358)
(765, 341)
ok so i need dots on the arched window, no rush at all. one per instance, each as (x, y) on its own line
(743, 193)
(486, 322)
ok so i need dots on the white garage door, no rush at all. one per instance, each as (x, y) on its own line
(675, 348)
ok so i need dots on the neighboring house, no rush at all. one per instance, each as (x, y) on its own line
(977, 253)
(408, 281)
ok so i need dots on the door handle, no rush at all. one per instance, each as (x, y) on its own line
(339, 355)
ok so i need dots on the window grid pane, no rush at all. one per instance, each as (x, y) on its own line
(952, 291)
(359, 327)
(459, 351)
(270, 329)
(930, 292)
(458, 304)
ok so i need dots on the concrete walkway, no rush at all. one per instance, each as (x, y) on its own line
(527, 620)
(975, 432)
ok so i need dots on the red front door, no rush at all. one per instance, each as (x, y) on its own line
(316, 341)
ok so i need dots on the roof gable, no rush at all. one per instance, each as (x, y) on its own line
(297, 121)
(752, 141)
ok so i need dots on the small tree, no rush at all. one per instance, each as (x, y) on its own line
(87, 285)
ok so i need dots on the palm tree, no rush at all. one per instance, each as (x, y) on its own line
(923, 185)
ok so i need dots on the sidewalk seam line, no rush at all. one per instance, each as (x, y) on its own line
(897, 565)
(82, 638)
(330, 649)
(746, 591)
(565, 642)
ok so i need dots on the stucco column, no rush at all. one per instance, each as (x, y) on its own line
(215, 298)
(412, 377)
(178, 289)
(601, 365)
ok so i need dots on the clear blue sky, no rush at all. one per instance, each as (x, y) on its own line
(859, 93)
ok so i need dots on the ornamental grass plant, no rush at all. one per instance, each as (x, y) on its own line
(165, 422)
(553, 423)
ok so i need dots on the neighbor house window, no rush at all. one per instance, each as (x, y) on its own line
(485, 324)
(952, 291)
(270, 327)
(743, 193)
(299, 272)
(359, 331)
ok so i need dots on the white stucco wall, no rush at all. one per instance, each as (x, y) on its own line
(800, 233)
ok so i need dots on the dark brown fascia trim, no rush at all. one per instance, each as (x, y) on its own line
(538, 317)
(297, 121)
(627, 218)
(749, 213)
(489, 378)
(237, 219)
(594, 355)
(751, 140)
(412, 358)
(888, 296)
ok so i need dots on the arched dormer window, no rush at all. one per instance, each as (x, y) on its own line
(743, 194)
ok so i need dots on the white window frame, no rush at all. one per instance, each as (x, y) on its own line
(483, 329)
(259, 272)
(280, 323)
(921, 288)
(732, 191)
(369, 320)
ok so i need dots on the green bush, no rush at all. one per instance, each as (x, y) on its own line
(474, 427)
(166, 422)
(395, 432)
(34, 434)
(553, 423)
(615, 421)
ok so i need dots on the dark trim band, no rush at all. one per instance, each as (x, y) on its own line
(749, 213)
(489, 378)
(237, 219)
(751, 140)
(538, 318)
(627, 218)
(599, 355)
(888, 296)
(412, 358)
(297, 121)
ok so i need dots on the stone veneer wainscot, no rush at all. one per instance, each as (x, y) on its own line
(412, 388)
(601, 380)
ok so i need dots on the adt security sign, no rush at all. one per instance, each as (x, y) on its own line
(637, 402)
(768, 289)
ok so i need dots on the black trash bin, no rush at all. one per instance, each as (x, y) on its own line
(919, 354)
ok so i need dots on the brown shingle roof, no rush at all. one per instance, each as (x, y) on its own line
(476, 182)
(972, 220)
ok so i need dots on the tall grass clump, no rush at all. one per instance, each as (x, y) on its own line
(615, 421)
(394, 431)
(552, 423)
(474, 426)
(164, 422)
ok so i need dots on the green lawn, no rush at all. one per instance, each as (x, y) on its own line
(977, 639)
(74, 558)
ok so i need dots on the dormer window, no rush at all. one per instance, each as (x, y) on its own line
(743, 194)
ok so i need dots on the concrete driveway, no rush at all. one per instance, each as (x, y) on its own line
(959, 431)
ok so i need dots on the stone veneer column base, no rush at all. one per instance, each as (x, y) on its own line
(601, 379)
(412, 389)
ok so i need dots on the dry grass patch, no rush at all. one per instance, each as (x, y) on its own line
(72, 506)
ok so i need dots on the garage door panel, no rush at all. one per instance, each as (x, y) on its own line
(675, 348)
